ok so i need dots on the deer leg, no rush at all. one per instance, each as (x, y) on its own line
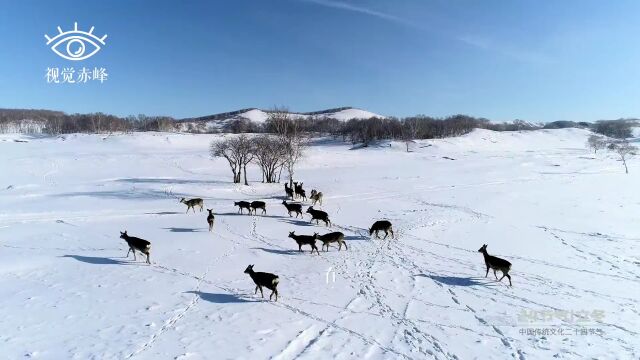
(148, 258)
(386, 233)
(300, 247)
(128, 252)
(391, 231)
(487, 274)
(255, 292)
(134, 255)
(494, 274)
(508, 277)
(261, 293)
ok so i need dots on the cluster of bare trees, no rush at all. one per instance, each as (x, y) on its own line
(272, 153)
(622, 148)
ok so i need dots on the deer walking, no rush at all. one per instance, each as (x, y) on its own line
(297, 208)
(136, 244)
(255, 205)
(192, 203)
(316, 197)
(268, 280)
(319, 215)
(381, 225)
(243, 205)
(288, 191)
(305, 240)
(210, 219)
(332, 238)
(495, 263)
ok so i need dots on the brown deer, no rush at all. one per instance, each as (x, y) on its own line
(381, 225)
(268, 280)
(243, 205)
(192, 203)
(305, 240)
(255, 205)
(318, 215)
(495, 263)
(210, 219)
(332, 238)
(137, 244)
(297, 208)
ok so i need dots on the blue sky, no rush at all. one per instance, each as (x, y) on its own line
(532, 60)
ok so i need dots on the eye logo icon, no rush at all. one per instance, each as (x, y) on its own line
(77, 42)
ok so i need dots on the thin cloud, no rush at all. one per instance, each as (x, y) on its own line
(359, 9)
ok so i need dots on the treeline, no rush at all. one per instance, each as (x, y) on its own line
(355, 130)
(57, 122)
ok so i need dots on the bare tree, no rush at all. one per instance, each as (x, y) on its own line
(624, 149)
(238, 151)
(410, 128)
(596, 143)
(270, 155)
(289, 132)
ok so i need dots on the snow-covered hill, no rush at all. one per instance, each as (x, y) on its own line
(565, 218)
(218, 121)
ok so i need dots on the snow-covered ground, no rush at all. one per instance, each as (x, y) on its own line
(566, 219)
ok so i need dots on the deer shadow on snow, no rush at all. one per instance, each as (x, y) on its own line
(219, 298)
(99, 260)
(458, 281)
(184, 230)
(280, 252)
(293, 221)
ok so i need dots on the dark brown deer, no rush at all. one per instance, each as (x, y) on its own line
(297, 208)
(255, 205)
(137, 244)
(305, 240)
(243, 205)
(495, 263)
(318, 215)
(332, 237)
(268, 280)
(298, 190)
(381, 225)
(210, 219)
(288, 191)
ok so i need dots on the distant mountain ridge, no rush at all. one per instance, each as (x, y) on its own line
(255, 114)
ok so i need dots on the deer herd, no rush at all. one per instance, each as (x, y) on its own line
(270, 281)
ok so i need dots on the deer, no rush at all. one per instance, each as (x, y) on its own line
(332, 238)
(318, 215)
(297, 208)
(255, 205)
(288, 191)
(495, 263)
(210, 219)
(305, 240)
(192, 203)
(316, 197)
(268, 280)
(136, 244)
(381, 225)
(298, 189)
(243, 205)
